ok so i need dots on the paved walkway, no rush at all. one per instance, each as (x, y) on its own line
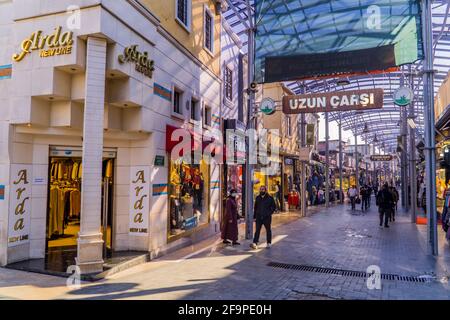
(333, 238)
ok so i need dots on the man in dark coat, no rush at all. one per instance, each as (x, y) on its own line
(264, 208)
(385, 202)
(230, 223)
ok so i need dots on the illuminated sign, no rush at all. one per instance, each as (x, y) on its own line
(143, 63)
(56, 44)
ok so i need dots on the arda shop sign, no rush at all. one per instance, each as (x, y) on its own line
(49, 45)
(334, 101)
(143, 63)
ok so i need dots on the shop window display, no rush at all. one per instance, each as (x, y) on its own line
(235, 182)
(189, 198)
(259, 180)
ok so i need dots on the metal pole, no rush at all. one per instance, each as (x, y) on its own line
(403, 153)
(412, 155)
(356, 157)
(366, 153)
(303, 168)
(341, 189)
(430, 146)
(250, 125)
(327, 162)
(303, 173)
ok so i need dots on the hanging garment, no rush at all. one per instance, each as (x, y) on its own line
(53, 212)
(61, 171)
(109, 169)
(80, 171)
(75, 168)
(75, 204)
(60, 212)
(69, 171)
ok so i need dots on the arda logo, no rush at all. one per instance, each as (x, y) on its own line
(143, 63)
(55, 44)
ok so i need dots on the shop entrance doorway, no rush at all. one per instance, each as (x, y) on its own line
(64, 206)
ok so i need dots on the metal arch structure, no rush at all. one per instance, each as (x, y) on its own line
(384, 123)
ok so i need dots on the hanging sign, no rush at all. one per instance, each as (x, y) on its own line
(20, 205)
(56, 44)
(310, 133)
(139, 200)
(334, 101)
(143, 63)
(2, 192)
(267, 106)
(159, 161)
(403, 96)
(381, 157)
(304, 154)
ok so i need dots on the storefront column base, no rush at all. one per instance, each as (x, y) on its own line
(90, 253)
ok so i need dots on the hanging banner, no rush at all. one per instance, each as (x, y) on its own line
(20, 205)
(334, 101)
(139, 200)
(310, 134)
(303, 39)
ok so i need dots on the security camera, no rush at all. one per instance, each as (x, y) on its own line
(254, 87)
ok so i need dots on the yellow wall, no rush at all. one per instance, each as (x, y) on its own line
(276, 91)
(442, 99)
(193, 41)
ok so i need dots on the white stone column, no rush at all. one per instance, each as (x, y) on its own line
(90, 238)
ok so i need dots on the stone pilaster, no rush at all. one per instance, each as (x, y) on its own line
(90, 239)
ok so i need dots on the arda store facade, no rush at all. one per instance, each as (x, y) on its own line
(84, 166)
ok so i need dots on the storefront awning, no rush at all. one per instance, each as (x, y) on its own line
(198, 142)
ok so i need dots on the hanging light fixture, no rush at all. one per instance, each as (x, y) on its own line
(343, 81)
(375, 139)
(366, 128)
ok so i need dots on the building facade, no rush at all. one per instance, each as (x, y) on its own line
(92, 95)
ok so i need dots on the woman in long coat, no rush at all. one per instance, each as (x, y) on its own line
(230, 223)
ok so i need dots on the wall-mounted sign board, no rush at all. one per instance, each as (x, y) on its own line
(334, 101)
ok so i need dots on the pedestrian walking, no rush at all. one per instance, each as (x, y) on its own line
(385, 202)
(364, 195)
(369, 197)
(264, 208)
(277, 199)
(396, 198)
(352, 193)
(230, 224)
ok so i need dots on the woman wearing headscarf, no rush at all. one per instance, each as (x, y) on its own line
(230, 223)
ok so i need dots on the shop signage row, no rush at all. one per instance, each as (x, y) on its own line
(143, 63)
(20, 205)
(333, 101)
(381, 157)
(56, 44)
(139, 200)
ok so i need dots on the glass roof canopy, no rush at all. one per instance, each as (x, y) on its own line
(384, 123)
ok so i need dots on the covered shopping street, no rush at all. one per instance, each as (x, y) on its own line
(406, 132)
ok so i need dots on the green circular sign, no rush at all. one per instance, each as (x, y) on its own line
(267, 106)
(403, 96)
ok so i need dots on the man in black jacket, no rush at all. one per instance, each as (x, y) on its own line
(385, 202)
(264, 208)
